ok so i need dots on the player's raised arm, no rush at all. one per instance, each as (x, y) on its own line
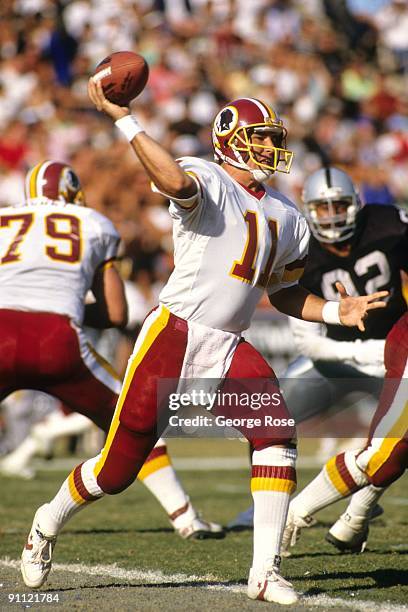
(163, 171)
(349, 311)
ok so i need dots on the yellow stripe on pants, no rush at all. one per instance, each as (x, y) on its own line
(389, 443)
(156, 327)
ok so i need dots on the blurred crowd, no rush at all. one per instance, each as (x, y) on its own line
(336, 70)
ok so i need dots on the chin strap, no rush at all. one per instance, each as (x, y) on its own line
(260, 175)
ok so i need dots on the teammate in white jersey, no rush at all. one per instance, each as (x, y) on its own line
(233, 238)
(52, 251)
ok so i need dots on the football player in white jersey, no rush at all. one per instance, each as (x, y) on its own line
(233, 238)
(53, 249)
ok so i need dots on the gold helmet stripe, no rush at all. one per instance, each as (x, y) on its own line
(31, 181)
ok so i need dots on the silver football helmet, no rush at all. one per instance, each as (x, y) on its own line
(330, 204)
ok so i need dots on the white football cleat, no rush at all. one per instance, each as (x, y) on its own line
(199, 529)
(187, 522)
(294, 525)
(37, 554)
(349, 533)
(268, 585)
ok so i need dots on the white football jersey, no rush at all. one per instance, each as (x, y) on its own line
(230, 248)
(49, 253)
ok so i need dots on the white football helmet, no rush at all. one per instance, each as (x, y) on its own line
(331, 187)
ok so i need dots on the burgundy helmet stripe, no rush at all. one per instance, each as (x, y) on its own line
(40, 180)
(262, 107)
(51, 179)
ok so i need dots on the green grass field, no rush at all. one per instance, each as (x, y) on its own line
(130, 532)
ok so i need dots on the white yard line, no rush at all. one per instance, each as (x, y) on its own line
(323, 601)
(205, 582)
(112, 571)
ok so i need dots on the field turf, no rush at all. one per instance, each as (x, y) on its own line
(122, 553)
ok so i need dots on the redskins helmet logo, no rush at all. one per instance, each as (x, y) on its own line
(69, 181)
(69, 187)
(226, 121)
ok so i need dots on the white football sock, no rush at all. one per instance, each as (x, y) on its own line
(159, 476)
(77, 491)
(273, 481)
(362, 502)
(338, 479)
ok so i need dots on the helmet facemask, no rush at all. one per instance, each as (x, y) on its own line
(241, 143)
(334, 226)
(334, 189)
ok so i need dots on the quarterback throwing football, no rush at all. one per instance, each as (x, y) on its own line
(234, 238)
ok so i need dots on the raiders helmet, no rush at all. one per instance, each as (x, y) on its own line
(330, 186)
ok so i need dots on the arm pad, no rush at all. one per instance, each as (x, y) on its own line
(310, 339)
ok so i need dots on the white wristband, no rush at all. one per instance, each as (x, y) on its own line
(330, 313)
(129, 126)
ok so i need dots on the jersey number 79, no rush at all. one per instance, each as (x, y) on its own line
(58, 226)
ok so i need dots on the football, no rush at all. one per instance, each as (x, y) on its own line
(123, 75)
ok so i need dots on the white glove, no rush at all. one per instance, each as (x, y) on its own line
(369, 352)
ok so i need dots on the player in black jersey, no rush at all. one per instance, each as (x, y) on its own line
(363, 247)
(366, 248)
